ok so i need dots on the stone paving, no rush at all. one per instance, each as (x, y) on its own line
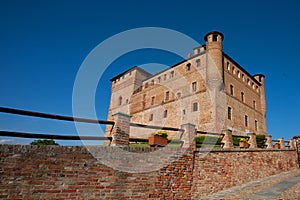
(284, 186)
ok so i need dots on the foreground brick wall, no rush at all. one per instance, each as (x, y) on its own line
(55, 172)
(219, 170)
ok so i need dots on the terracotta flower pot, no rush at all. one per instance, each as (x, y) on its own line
(277, 146)
(155, 140)
(244, 145)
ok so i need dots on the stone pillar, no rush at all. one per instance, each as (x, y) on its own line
(188, 136)
(269, 142)
(120, 132)
(291, 144)
(281, 141)
(227, 139)
(252, 140)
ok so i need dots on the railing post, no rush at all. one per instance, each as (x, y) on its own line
(227, 139)
(188, 136)
(252, 140)
(120, 132)
(291, 144)
(269, 142)
(281, 141)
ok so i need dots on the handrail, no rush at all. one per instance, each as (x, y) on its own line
(50, 136)
(53, 116)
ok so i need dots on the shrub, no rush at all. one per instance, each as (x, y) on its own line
(261, 140)
(209, 140)
(44, 142)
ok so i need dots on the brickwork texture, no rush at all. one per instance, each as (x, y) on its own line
(61, 172)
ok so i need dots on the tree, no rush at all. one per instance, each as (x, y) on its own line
(44, 142)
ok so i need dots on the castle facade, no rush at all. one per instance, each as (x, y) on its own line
(208, 89)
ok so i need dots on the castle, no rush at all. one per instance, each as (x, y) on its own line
(208, 89)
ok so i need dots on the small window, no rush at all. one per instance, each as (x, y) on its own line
(198, 62)
(165, 114)
(256, 125)
(152, 82)
(172, 74)
(126, 101)
(243, 77)
(254, 104)
(123, 77)
(167, 96)
(229, 113)
(215, 38)
(194, 86)
(248, 81)
(228, 66)
(165, 77)
(120, 100)
(158, 79)
(243, 96)
(233, 70)
(151, 117)
(195, 106)
(146, 85)
(246, 120)
(152, 100)
(231, 89)
(178, 95)
(239, 74)
(183, 111)
(188, 67)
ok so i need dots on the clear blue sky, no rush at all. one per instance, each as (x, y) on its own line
(43, 44)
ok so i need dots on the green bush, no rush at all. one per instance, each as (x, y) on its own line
(44, 142)
(261, 140)
(207, 141)
(236, 141)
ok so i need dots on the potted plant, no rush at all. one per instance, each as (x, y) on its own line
(244, 143)
(159, 138)
(277, 145)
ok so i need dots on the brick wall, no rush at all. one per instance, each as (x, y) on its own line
(60, 172)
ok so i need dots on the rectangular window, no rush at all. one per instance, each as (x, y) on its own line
(254, 104)
(151, 117)
(229, 113)
(152, 100)
(178, 95)
(165, 113)
(194, 86)
(195, 106)
(172, 74)
(158, 79)
(165, 77)
(198, 62)
(256, 125)
(167, 96)
(243, 96)
(183, 111)
(246, 120)
(231, 89)
(188, 67)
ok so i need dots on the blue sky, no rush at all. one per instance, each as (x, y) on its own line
(43, 44)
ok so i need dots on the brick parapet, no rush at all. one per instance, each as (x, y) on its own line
(62, 172)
